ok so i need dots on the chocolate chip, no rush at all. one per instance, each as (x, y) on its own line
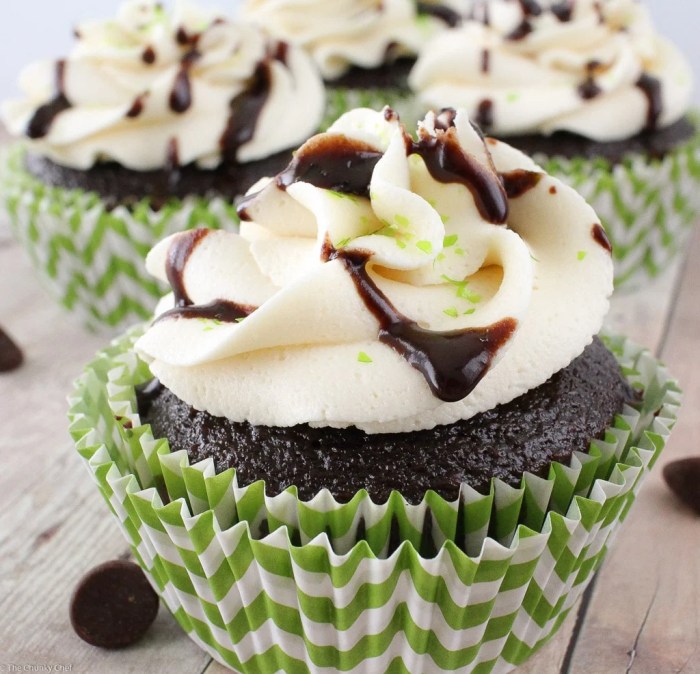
(10, 354)
(683, 478)
(113, 605)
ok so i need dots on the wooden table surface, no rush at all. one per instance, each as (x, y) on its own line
(641, 614)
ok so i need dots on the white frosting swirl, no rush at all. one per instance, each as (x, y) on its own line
(347, 33)
(577, 72)
(312, 350)
(148, 85)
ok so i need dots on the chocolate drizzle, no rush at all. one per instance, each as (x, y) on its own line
(530, 7)
(452, 362)
(563, 10)
(447, 162)
(245, 109)
(136, 107)
(485, 60)
(224, 311)
(600, 237)
(178, 254)
(333, 162)
(149, 55)
(521, 31)
(520, 181)
(484, 113)
(181, 95)
(40, 123)
(442, 12)
(651, 88)
(589, 89)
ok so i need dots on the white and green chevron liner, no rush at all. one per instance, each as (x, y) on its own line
(91, 257)
(275, 584)
(647, 206)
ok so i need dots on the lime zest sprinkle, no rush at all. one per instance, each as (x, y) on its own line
(451, 311)
(445, 218)
(468, 312)
(581, 255)
(240, 319)
(449, 240)
(425, 246)
(343, 242)
(462, 291)
(401, 220)
(440, 257)
(512, 97)
(459, 251)
(362, 357)
(534, 258)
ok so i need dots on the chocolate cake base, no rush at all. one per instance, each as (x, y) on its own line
(655, 144)
(117, 185)
(546, 424)
(392, 75)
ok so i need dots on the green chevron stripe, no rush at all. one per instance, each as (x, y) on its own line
(648, 207)
(90, 257)
(511, 577)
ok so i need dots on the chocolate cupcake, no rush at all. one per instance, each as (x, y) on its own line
(382, 433)
(364, 50)
(153, 124)
(597, 98)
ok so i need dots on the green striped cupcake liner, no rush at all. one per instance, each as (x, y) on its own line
(647, 206)
(90, 257)
(273, 583)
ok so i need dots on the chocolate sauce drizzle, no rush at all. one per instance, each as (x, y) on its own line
(137, 106)
(589, 89)
(245, 108)
(181, 95)
(484, 113)
(651, 88)
(520, 181)
(40, 123)
(442, 12)
(521, 31)
(149, 55)
(452, 362)
(179, 253)
(333, 162)
(485, 60)
(600, 237)
(563, 10)
(447, 162)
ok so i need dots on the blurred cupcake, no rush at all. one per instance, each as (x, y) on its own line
(383, 436)
(153, 124)
(597, 97)
(364, 49)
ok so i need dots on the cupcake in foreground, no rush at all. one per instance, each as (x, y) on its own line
(364, 49)
(375, 431)
(153, 124)
(597, 97)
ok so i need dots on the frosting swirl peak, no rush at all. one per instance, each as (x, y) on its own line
(150, 89)
(382, 282)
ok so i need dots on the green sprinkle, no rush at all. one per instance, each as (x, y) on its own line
(445, 219)
(241, 319)
(425, 246)
(440, 257)
(581, 255)
(343, 242)
(401, 220)
(400, 244)
(469, 311)
(362, 357)
(512, 97)
(533, 257)
(450, 240)
(459, 251)
(451, 311)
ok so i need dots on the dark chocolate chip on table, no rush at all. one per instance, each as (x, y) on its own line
(11, 356)
(113, 605)
(683, 478)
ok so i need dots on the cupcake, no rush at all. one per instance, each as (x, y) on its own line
(375, 431)
(364, 50)
(597, 97)
(153, 124)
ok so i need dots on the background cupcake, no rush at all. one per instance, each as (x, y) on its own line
(597, 97)
(364, 49)
(155, 122)
(381, 296)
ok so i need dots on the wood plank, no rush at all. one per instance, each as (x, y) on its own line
(53, 524)
(644, 616)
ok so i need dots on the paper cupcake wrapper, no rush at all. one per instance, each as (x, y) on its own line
(90, 257)
(647, 206)
(267, 584)
(340, 100)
